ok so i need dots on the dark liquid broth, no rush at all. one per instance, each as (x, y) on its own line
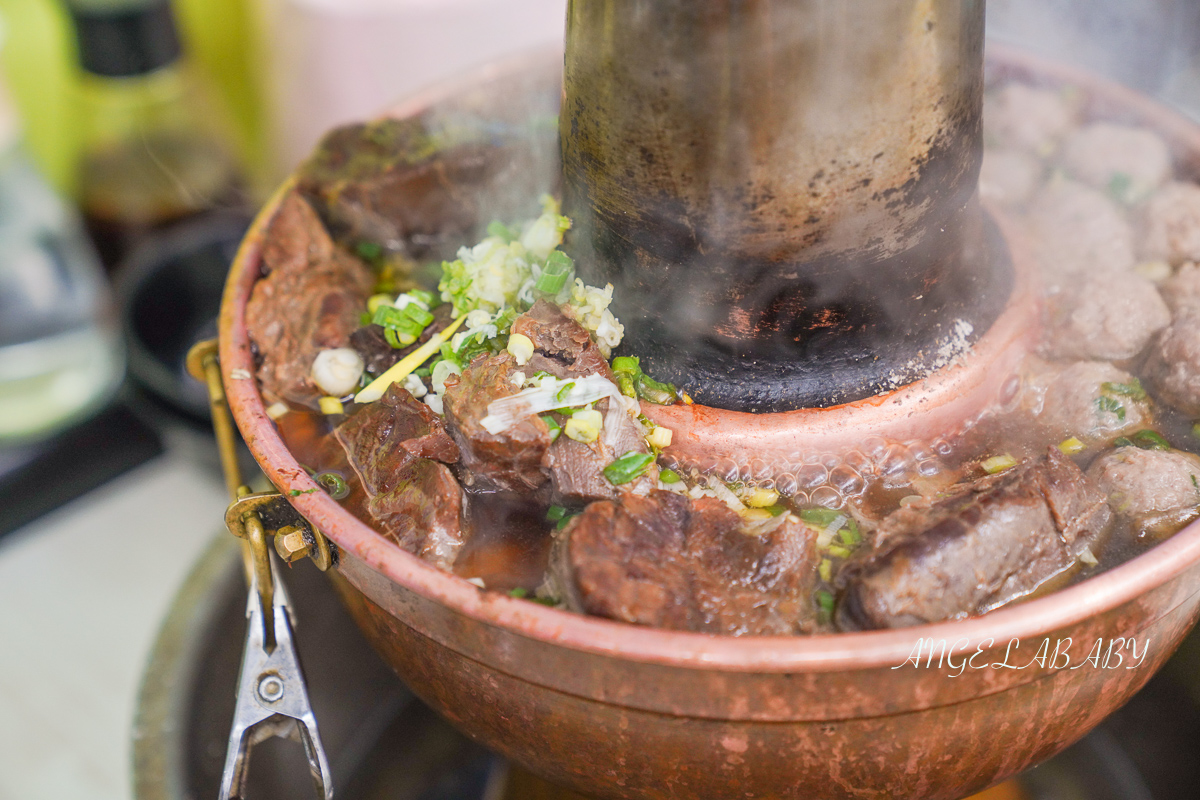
(508, 537)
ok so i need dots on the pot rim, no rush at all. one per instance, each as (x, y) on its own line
(767, 654)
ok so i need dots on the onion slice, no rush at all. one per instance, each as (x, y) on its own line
(552, 393)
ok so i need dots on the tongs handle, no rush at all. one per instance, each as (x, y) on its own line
(272, 696)
(272, 700)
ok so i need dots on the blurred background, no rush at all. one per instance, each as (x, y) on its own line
(140, 135)
(137, 137)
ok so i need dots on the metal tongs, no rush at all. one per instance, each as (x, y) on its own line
(272, 697)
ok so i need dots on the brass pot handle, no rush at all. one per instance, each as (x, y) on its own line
(272, 696)
(294, 536)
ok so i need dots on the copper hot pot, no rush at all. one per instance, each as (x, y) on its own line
(621, 711)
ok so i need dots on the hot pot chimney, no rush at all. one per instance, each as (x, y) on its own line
(783, 193)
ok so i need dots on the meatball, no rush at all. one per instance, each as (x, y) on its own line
(1129, 163)
(1025, 118)
(1173, 368)
(1105, 317)
(1156, 488)
(1009, 177)
(1182, 290)
(1169, 224)
(1077, 229)
(1090, 400)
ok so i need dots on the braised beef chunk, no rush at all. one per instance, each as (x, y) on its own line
(671, 562)
(391, 183)
(391, 445)
(562, 347)
(577, 469)
(378, 356)
(985, 545)
(385, 432)
(310, 299)
(507, 461)
(423, 511)
(370, 344)
(521, 458)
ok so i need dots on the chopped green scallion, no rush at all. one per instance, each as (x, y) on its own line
(634, 383)
(402, 326)
(368, 251)
(850, 534)
(1132, 390)
(558, 270)
(825, 601)
(1122, 441)
(626, 371)
(417, 314)
(334, 484)
(520, 593)
(548, 284)
(820, 517)
(398, 339)
(657, 392)
(628, 467)
(668, 476)
(388, 316)
(564, 391)
(422, 296)
(554, 425)
(555, 513)
(1150, 440)
(1109, 405)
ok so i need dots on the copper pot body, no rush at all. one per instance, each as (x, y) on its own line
(620, 711)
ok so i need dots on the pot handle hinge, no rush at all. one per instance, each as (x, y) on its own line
(295, 537)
